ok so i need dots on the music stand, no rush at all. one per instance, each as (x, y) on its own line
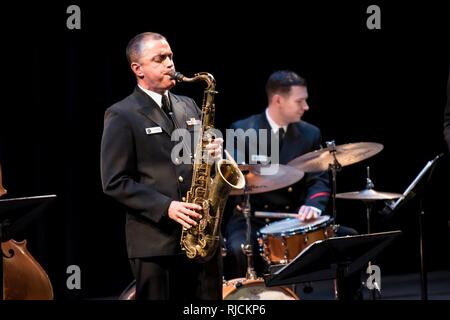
(333, 258)
(416, 187)
(15, 215)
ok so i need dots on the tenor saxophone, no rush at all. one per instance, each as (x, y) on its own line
(200, 242)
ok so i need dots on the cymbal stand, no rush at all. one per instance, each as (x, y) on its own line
(247, 248)
(333, 168)
(369, 185)
(369, 205)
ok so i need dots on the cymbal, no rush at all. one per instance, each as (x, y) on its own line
(263, 178)
(368, 194)
(346, 154)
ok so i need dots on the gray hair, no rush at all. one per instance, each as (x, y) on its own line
(134, 47)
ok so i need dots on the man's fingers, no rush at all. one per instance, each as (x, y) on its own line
(183, 223)
(190, 205)
(182, 212)
(213, 145)
(191, 213)
(218, 141)
(184, 219)
(189, 220)
(214, 148)
(215, 152)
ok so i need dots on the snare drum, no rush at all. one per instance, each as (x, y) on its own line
(283, 240)
(246, 289)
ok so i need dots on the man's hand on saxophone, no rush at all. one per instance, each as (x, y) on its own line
(182, 212)
(214, 149)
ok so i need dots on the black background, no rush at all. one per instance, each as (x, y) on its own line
(386, 86)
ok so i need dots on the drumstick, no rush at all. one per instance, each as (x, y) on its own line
(268, 214)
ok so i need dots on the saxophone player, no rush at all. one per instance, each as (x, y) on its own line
(138, 171)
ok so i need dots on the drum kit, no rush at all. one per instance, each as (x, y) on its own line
(283, 240)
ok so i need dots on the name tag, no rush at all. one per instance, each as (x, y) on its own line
(153, 130)
(193, 122)
(259, 158)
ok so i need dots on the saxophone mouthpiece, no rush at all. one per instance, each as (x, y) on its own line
(178, 76)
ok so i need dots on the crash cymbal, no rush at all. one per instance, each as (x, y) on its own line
(346, 154)
(263, 178)
(368, 194)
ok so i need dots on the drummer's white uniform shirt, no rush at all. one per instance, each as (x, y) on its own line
(275, 127)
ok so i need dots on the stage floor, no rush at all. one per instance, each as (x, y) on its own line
(393, 287)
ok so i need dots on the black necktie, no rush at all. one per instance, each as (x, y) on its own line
(167, 108)
(165, 105)
(281, 134)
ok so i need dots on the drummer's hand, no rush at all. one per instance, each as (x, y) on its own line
(307, 213)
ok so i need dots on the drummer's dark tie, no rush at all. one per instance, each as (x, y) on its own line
(281, 134)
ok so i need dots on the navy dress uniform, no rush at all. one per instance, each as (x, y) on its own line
(138, 171)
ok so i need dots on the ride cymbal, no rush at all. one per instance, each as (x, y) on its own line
(346, 154)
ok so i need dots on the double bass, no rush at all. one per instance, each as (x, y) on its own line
(23, 276)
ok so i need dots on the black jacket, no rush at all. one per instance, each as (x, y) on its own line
(137, 169)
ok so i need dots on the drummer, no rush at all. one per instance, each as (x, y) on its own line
(287, 102)
(287, 96)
